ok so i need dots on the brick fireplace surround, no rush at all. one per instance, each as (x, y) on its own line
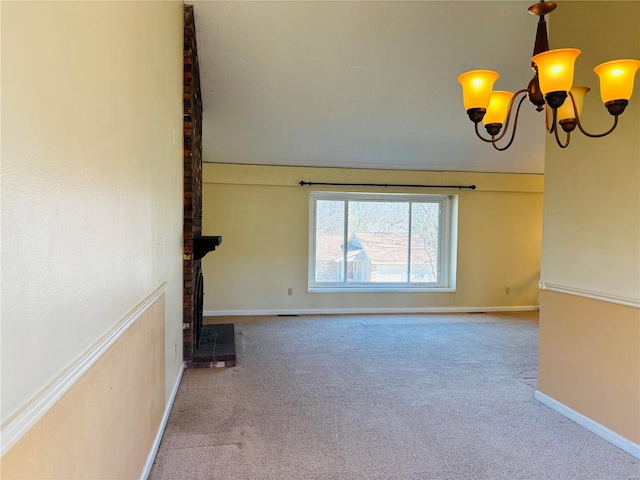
(192, 226)
(213, 346)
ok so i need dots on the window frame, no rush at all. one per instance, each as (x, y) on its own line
(446, 248)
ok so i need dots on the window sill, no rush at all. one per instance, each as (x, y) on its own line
(380, 290)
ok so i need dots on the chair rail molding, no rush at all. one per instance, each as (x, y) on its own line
(22, 420)
(592, 294)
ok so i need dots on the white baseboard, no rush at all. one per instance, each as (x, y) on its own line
(603, 432)
(592, 294)
(21, 421)
(163, 424)
(350, 311)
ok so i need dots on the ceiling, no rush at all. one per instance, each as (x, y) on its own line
(361, 84)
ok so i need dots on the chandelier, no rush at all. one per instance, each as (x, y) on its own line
(551, 89)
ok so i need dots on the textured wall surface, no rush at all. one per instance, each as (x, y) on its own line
(592, 189)
(589, 347)
(105, 423)
(91, 185)
(263, 215)
(598, 378)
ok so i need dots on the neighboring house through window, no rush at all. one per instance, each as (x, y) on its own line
(361, 241)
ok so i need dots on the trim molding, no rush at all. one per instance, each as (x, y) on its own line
(163, 424)
(603, 432)
(601, 296)
(21, 421)
(347, 311)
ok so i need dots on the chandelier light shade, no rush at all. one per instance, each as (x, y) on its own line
(551, 89)
(555, 69)
(616, 79)
(566, 111)
(498, 107)
(571, 109)
(476, 88)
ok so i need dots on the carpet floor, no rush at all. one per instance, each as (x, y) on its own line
(371, 397)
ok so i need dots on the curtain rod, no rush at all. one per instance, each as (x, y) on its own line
(459, 187)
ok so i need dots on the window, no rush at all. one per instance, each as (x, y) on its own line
(391, 242)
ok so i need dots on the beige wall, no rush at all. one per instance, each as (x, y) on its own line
(589, 348)
(599, 380)
(592, 196)
(91, 192)
(103, 425)
(263, 216)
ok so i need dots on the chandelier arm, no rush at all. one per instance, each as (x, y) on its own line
(546, 119)
(515, 127)
(506, 125)
(509, 111)
(599, 135)
(558, 141)
(591, 135)
(480, 136)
